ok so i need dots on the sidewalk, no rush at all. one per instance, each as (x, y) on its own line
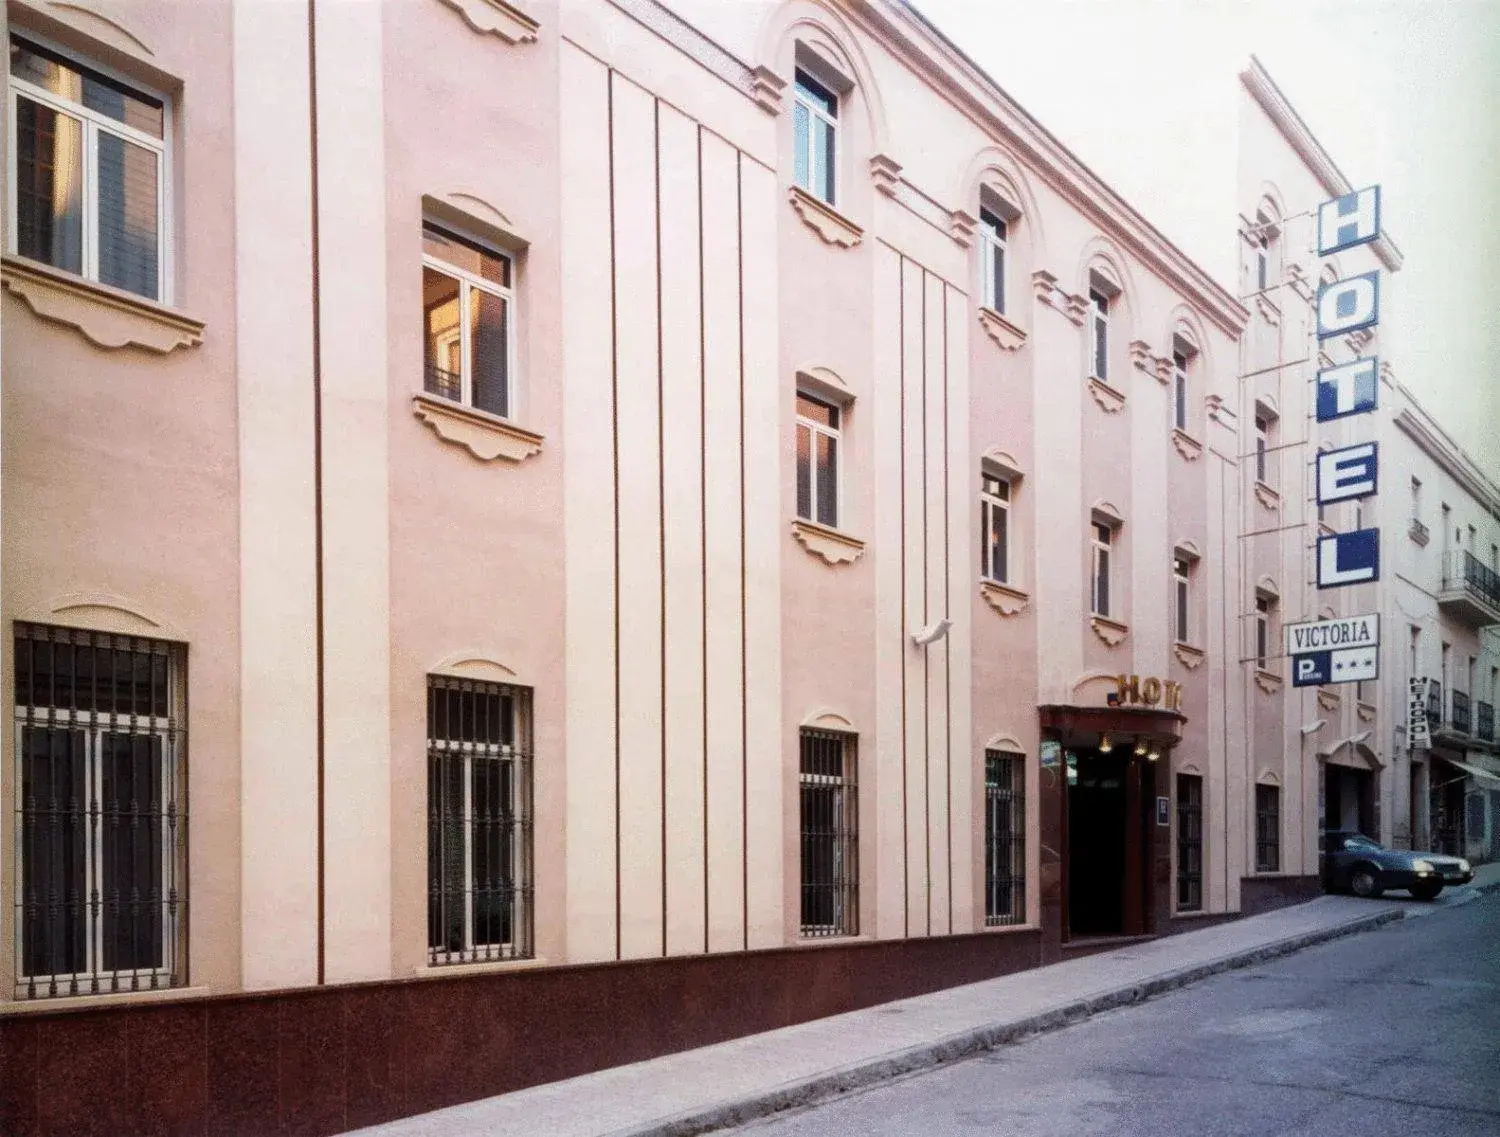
(700, 1090)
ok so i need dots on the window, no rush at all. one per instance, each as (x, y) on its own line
(1004, 838)
(992, 230)
(1267, 829)
(1416, 499)
(101, 891)
(468, 315)
(994, 527)
(1189, 843)
(816, 125)
(1263, 606)
(1103, 538)
(479, 878)
(830, 835)
(1262, 263)
(1263, 427)
(88, 172)
(818, 444)
(1182, 572)
(1179, 390)
(1099, 334)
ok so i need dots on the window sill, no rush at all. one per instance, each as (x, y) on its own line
(83, 1002)
(1188, 446)
(1268, 681)
(1267, 496)
(1008, 336)
(1112, 632)
(1109, 399)
(107, 317)
(1193, 914)
(496, 17)
(1002, 929)
(833, 545)
(1004, 598)
(478, 967)
(1189, 656)
(806, 941)
(484, 435)
(823, 219)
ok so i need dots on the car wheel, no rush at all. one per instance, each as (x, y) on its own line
(1427, 891)
(1365, 882)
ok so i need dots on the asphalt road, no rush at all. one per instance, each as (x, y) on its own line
(1391, 1032)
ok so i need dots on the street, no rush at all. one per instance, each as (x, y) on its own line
(1392, 1032)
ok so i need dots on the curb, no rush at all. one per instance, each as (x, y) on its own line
(831, 1083)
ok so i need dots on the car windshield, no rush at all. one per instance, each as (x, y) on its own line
(1361, 842)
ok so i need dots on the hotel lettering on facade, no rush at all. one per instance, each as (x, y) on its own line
(524, 516)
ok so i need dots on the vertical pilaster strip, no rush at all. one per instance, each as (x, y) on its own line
(588, 497)
(355, 386)
(682, 532)
(765, 537)
(935, 579)
(884, 793)
(637, 424)
(914, 604)
(961, 574)
(722, 503)
(278, 609)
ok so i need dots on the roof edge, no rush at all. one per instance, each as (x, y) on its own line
(1283, 115)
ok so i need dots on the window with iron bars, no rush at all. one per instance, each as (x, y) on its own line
(1004, 838)
(101, 819)
(1267, 829)
(830, 834)
(479, 856)
(1189, 843)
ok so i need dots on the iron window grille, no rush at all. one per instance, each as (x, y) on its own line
(479, 852)
(1189, 843)
(468, 319)
(88, 172)
(101, 813)
(1267, 829)
(1459, 716)
(1004, 838)
(830, 834)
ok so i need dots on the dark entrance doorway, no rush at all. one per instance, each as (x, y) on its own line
(1349, 800)
(1096, 846)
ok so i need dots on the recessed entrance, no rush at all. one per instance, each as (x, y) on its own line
(1349, 800)
(1110, 844)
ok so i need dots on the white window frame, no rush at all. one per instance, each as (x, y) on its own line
(466, 282)
(993, 507)
(1098, 335)
(993, 231)
(1182, 597)
(91, 123)
(1101, 544)
(1264, 613)
(1265, 424)
(1181, 360)
(836, 433)
(94, 725)
(832, 121)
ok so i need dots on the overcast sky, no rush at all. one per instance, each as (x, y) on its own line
(1405, 93)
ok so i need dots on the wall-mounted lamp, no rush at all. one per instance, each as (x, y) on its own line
(932, 632)
(1105, 745)
(1154, 755)
(1140, 747)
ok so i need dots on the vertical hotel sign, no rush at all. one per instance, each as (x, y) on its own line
(1344, 307)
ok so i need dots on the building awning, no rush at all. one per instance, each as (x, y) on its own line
(1484, 777)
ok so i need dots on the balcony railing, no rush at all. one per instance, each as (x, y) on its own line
(445, 384)
(1459, 718)
(1434, 703)
(1464, 573)
(1484, 722)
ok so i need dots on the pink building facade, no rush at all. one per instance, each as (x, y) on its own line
(521, 516)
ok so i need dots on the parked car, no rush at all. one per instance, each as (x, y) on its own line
(1353, 862)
